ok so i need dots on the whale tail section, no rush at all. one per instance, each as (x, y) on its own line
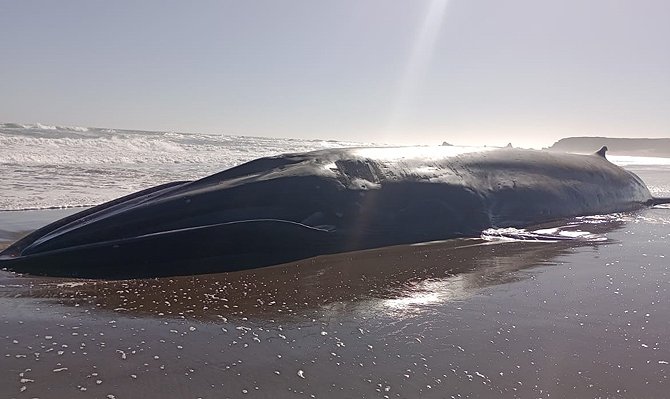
(659, 201)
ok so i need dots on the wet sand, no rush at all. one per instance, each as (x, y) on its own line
(460, 318)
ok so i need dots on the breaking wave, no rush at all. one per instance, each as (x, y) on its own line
(45, 166)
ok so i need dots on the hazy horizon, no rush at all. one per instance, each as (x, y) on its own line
(477, 72)
(47, 126)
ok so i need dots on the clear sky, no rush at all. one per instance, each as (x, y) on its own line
(393, 71)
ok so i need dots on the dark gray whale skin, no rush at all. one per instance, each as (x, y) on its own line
(289, 207)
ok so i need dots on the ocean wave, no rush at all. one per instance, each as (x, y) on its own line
(159, 148)
(49, 127)
(69, 167)
(7, 125)
(45, 127)
(10, 125)
(554, 234)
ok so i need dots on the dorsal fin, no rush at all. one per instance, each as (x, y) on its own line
(601, 152)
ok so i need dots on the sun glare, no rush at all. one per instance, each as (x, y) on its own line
(420, 57)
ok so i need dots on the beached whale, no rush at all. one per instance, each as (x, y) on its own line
(289, 207)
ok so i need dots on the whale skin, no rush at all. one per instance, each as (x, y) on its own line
(290, 207)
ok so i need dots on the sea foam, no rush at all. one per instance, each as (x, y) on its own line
(46, 166)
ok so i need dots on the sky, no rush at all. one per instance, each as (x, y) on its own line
(469, 72)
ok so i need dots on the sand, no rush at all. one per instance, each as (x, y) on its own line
(460, 318)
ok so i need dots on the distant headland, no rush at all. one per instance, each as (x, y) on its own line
(616, 146)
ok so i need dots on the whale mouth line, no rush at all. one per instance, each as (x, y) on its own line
(324, 229)
(118, 242)
(549, 235)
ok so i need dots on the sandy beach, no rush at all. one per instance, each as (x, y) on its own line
(460, 318)
(345, 199)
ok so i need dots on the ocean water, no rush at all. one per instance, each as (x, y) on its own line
(44, 167)
(54, 167)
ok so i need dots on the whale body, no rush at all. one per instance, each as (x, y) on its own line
(289, 207)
